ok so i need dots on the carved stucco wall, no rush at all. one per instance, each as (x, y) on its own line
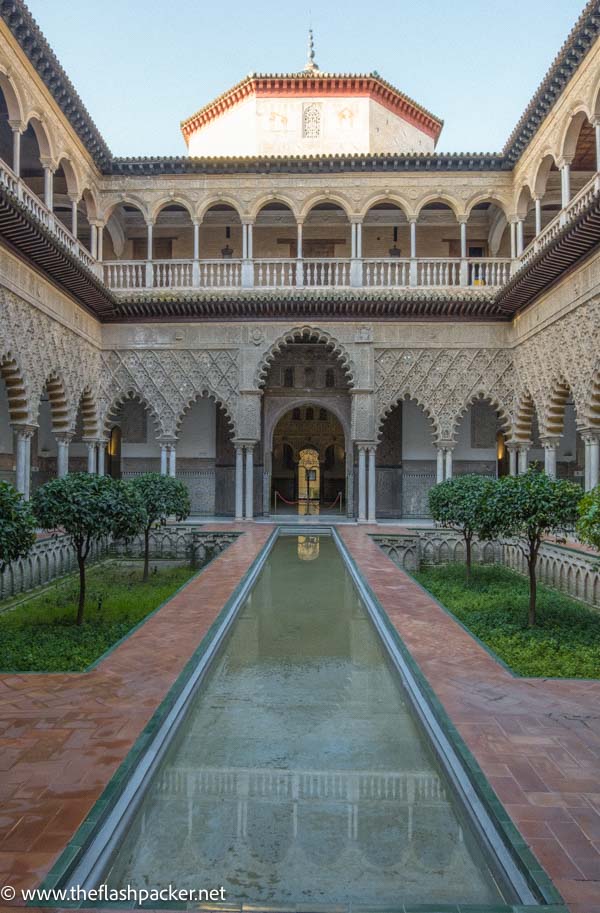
(43, 348)
(444, 382)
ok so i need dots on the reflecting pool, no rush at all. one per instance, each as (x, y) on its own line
(300, 775)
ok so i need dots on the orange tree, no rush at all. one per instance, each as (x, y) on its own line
(89, 508)
(17, 525)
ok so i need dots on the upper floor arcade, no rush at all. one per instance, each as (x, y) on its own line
(150, 229)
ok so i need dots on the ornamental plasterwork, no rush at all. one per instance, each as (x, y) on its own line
(567, 351)
(168, 381)
(444, 382)
(43, 349)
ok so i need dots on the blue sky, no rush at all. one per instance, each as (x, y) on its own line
(141, 66)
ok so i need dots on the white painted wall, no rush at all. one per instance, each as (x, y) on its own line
(197, 436)
(274, 126)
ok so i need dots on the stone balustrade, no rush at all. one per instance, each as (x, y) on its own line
(573, 571)
(40, 212)
(53, 556)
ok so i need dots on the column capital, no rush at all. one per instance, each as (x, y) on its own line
(48, 163)
(355, 220)
(445, 445)
(564, 160)
(17, 126)
(244, 442)
(25, 430)
(462, 219)
(550, 443)
(589, 435)
(64, 437)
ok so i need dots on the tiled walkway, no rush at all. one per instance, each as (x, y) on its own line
(537, 741)
(63, 736)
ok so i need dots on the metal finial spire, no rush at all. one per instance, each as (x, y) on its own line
(311, 64)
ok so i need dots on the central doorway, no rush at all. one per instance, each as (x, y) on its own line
(308, 464)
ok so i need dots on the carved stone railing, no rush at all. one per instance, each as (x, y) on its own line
(580, 201)
(38, 209)
(574, 572)
(53, 556)
(50, 558)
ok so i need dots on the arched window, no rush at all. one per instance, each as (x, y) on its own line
(296, 415)
(310, 414)
(309, 377)
(330, 377)
(311, 122)
(288, 377)
(322, 415)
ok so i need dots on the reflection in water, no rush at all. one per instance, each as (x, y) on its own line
(308, 547)
(300, 775)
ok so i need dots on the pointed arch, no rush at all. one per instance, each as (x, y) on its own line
(406, 396)
(306, 334)
(60, 406)
(206, 393)
(131, 393)
(554, 411)
(19, 406)
(521, 429)
(89, 414)
(482, 395)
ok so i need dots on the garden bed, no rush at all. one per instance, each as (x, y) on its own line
(40, 635)
(565, 642)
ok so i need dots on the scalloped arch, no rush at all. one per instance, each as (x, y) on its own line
(19, 407)
(131, 393)
(206, 393)
(407, 396)
(305, 334)
(485, 396)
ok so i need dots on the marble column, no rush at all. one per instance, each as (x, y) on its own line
(362, 483)
(372, 506)
(550, 448)
(48, 186)
(449, 463)
(439, 475)
(565, 182)
(62, 461)
(16, 166)
(512, 459)
(23, 467)
(523, 459)
(538, 215)
(164, 451)
(592, 459)
(249, 481)
(91, 461)
(172, 460)
(101, 458)
(239, 481)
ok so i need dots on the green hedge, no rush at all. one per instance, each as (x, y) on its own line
(40, 634)
(565, 643)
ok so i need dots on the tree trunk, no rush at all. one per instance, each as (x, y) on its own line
(81, 603)
(531, 563)
(146, 553)
(468, 542)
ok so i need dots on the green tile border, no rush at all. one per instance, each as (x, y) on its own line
(80, 840)
(96, 662)
(538, 879)
(461, 624)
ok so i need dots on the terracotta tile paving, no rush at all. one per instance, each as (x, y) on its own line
(537, 740)
(63, 736)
